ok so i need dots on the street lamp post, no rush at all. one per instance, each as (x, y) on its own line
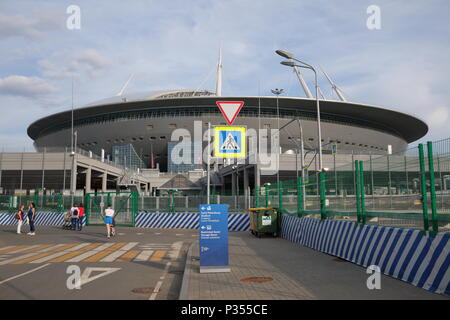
(277, 92)
(302, 64)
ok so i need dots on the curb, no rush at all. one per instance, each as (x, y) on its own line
(184, 292)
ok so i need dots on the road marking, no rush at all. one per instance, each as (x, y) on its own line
(176, 248)
(105, 246)
(75, 253)
(158, 255)
(130, 246)
(114, 255)
(25, 273)
(144, 255)
(35, 248)
(59, 254)
(12, 249)
(128, 256)
(104, 253)
(87, 272)
(159, 283)
(178, 234)
(5, 248)
(139, 234)
(89, 253)
(44, 254)
(30, 254)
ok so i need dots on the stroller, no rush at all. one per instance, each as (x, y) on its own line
(67, 225)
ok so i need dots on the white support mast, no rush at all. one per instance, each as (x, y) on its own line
(125, 85)
(321, 93)
(303, 83)
(334, 86)
(219, 75)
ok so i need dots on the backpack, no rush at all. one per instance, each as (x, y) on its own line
(75, 212)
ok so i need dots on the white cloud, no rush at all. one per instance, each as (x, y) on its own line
(64, 64)
(29, 28)
(29, 87)
(438, 117)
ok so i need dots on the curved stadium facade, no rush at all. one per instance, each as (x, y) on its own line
(147, 123)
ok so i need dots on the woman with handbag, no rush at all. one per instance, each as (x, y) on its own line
(20, 215)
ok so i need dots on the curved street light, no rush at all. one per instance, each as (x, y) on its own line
(288, 55)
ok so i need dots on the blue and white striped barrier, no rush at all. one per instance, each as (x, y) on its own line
(405, 254)
(42, 219)
(236, 222)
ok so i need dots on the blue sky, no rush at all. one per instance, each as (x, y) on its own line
(174, 45)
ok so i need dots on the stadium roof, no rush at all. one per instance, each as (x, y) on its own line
(408, 127)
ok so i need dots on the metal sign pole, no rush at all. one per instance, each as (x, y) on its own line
(208, 160)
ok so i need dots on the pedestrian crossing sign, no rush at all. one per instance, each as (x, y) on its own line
(230, 142)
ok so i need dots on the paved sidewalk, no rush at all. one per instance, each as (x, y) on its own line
(298, 273)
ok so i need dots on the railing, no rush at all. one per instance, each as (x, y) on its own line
(409, 189)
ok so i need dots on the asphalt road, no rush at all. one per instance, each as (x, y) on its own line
(135, 264)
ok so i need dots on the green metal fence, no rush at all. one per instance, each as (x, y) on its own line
(409, 189)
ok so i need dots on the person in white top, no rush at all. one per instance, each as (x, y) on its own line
(109, 214)
(74, 212)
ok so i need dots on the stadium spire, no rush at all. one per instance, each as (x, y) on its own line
(303, 83)
(219, 75)
(334, 86)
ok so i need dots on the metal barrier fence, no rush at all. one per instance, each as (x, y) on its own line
(166, 204)
(409, 189)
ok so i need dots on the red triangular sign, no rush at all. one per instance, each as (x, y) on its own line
(230, 109)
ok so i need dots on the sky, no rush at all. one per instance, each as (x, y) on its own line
(403, 65)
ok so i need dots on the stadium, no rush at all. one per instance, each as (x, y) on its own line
(150, 122)
(135, 130)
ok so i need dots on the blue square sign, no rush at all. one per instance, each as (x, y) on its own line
(214, 238)
(230, 142)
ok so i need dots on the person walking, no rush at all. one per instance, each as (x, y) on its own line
(74, 213)
(109, 215)
(20, 216)
(80, 216)
(31, 217)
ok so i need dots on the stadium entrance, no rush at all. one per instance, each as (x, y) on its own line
(124, 203)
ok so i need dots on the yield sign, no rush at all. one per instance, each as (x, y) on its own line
(230, 109)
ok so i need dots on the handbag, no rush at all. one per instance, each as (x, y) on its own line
(17, 216)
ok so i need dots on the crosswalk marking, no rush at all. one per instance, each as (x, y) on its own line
(59, 254)
(175, 252)
(158, 255)
(104, 246)
(104, 253)
(129, 246)
(35, 248)
(75, 253)
(89, 252)
(113, 256)
(128, 256)
(30, 254)
(12, 249)
(116, 254)
(144, 255)
(44, 254)
(5, 248)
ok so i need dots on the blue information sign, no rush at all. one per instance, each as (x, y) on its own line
(214, 238)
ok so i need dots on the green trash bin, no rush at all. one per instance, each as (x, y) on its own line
(264, 221)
